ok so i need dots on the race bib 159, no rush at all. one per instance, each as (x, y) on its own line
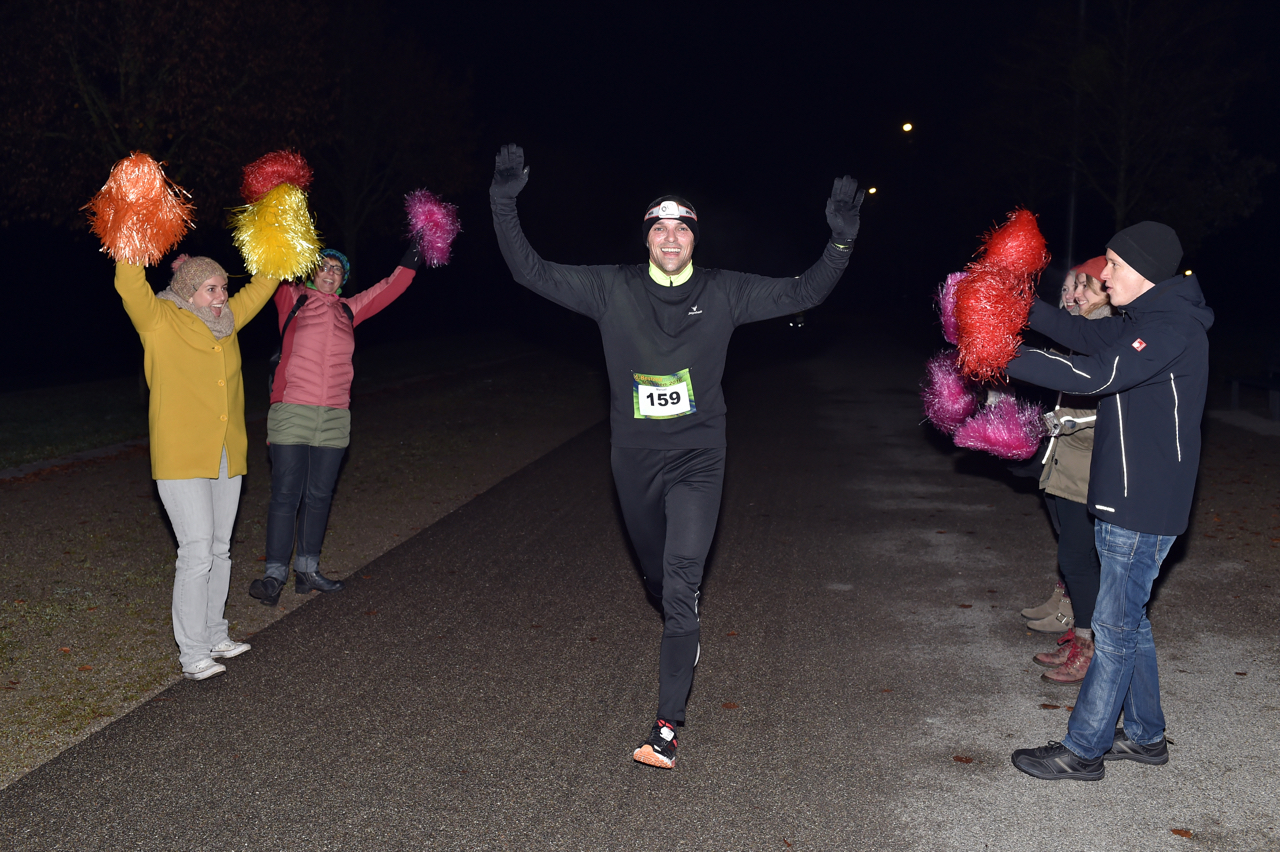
(661, 397)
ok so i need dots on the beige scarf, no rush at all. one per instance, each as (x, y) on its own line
(222, 326)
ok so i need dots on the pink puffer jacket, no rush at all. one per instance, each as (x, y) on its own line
(315, 355)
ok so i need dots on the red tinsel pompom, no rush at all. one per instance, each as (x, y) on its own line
(994, 299)
(1017, 245)
(270, 170)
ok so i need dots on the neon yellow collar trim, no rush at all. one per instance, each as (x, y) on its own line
(660, 276)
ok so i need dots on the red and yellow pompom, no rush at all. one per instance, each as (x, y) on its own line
(994, 298)
(270, 170)
(139, 214)
(276, 234)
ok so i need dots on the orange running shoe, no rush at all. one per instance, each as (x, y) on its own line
(660, 749)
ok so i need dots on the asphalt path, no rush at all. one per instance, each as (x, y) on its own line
(864, 673)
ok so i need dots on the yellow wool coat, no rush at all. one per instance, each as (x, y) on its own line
(197, 396)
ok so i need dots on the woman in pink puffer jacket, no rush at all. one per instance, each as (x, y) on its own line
(309, 424)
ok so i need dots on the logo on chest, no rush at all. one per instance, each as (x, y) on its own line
(693, 312)
(1139, 344)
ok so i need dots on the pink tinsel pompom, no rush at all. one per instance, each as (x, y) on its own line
(947, 306)
(433, 224)
(270, 170)
(1008, 428)
(948, 399)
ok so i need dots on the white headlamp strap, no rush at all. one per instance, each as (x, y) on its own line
(671, 210)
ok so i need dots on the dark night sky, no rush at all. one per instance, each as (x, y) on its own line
(750, 116)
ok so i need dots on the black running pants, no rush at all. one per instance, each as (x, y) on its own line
(670, 502)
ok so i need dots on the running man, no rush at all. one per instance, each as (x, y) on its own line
(665, 325)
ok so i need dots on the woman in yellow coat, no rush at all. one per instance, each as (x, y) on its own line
(198, 442)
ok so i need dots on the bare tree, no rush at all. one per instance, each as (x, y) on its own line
(400, 121)
(1146, 90)
(202, 85)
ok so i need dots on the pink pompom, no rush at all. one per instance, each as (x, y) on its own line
(1008, 428)
(433, 224)
(948, 399)
(178, 261)
(947, 306)
(270, 170)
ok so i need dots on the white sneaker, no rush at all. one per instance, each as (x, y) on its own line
(204, 669)
(229, 648)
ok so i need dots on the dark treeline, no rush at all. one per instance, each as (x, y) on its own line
(1149, 108)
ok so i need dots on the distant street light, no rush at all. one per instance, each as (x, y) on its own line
(871, 190)
(906, 128)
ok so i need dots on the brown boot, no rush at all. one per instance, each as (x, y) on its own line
(1049, 607)
(1055, 658)
(1059, 622)
(1073, 670)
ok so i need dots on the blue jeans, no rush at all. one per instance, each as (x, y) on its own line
(302, 482)
(1123, 671)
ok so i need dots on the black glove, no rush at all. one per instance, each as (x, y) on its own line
(411, 259)
(510, 174)
(842, 211)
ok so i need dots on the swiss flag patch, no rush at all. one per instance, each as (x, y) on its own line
(1139, 344)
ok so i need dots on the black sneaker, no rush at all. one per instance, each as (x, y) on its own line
(660, 749)
(1156, 754)
(1056, 762)
(266, 590)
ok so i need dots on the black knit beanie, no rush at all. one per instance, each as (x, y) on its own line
(1150, 248)
(670, 207)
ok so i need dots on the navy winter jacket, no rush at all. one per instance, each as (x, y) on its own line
(1150, 368)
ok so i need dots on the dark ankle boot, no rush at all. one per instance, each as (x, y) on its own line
(314, 581)
(266, 590)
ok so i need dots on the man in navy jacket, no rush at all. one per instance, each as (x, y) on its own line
(1149, 367)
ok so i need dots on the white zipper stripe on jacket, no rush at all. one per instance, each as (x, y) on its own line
(1063, 360)
(1177, 427)
(1114, 366)
(1124, 461)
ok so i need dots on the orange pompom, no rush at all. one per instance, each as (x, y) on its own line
(139, 214)
(270, 170)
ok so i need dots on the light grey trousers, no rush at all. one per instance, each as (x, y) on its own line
(202, 512)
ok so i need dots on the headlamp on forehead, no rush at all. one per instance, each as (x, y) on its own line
(670, 207)
(671, 210)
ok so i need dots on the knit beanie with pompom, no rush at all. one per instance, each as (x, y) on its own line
(190, 272)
